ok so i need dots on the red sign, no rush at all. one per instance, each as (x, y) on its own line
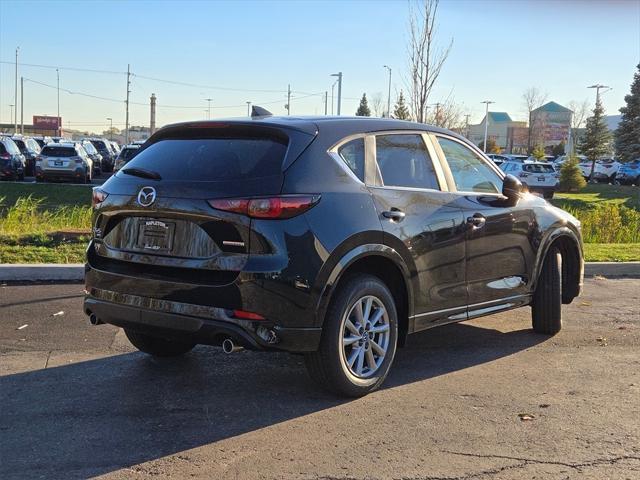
(46, 123)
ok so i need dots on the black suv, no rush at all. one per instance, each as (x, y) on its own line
(105, 149)
(333, 237)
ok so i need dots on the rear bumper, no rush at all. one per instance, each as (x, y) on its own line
(163, 321)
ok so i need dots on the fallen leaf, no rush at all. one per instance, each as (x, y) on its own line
(23, 326)
(544, 405)
(602, 340)
(585, 304)
(58, 313)
(599, 277)
(526, 417)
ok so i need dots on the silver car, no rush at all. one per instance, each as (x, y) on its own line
(64, 161)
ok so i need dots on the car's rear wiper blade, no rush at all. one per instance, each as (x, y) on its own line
(141, 172)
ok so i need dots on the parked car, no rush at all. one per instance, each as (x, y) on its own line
(629, 173)
(497, 159)
(539, 177)
(64, 161)
(94, 155)
(105, 149)
(30, 149)
(115, 147)
(563, 158)
(12, 162)
(126, 154)
(60, 139)
(606, 170)
(42, 141)
(329, 237)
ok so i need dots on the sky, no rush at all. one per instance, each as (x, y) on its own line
(238, 51)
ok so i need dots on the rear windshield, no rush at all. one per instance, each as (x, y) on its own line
(213, 159)
(20, 144)
(538, 168)
(88, 146)
(55, 151)
(127, 153)
(100, 145)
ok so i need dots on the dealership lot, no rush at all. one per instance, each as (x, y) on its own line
(77, 401)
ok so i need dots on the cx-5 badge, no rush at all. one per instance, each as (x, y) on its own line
(146, 196)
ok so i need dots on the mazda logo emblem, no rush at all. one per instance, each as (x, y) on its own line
(146, 196)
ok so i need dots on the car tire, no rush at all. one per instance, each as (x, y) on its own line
(157, 346)
(329, 365)
(548, 195)
(546, 308)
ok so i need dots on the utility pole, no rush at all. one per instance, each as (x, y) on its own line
(332, 87)
(11, 105)
(15, 100)
(152, 120)
(466, 125)
(22, 105)
(486, 122)
(598, 87)
(209, 108)
(437, 117)
(389, 94)
(58, 122)
(288, 99)
(339, 75)
(248, 109)
(110, 128)
(326, 102)
(126, 122)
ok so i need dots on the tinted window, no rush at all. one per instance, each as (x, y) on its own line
(20, 144)
(56, 151)
(537, 168)
(403, 161)
(88, 146)
(353, 155)
(127, 153)
(212, 159)
(100, 145)
(470, 172)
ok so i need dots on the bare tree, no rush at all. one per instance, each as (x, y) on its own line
(425, 58)
(532, 99)
(377, 104)
(447, 114)
(578, 118)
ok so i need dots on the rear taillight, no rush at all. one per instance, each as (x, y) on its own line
(286, 206)
(5, 156)
(98, 197)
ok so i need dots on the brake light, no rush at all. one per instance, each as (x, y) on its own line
(98, 197)
(247, 315)
(286, 206)
(5, 156)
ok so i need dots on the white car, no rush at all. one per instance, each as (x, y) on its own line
(563, 158)
(539, 177)
(606, 170)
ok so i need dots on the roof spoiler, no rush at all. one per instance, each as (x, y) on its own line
(258, 112)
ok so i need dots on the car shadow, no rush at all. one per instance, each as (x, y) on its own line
(94, 417)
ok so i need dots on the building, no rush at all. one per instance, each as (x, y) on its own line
(549, 125)
(497, 129)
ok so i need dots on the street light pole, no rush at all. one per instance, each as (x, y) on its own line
(248, 109)
(389, 94)
(486, 123)
(110, 128)
(22, 105)
(332, 88)
(11, 105)
(208, 108)
(339, 75)
(15, 100)
(58, 122)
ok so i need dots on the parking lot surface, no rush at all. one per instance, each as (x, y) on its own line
(486, 399)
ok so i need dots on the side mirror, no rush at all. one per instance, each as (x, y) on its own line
(511, 188)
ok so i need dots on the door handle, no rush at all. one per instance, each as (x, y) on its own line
(477, 221)
(394, 214)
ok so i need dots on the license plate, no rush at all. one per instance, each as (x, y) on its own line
(155, 235)
(58, 163)
(542, 178)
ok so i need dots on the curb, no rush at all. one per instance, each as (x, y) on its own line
(48, 272)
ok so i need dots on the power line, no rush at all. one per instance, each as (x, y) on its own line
(75, 69)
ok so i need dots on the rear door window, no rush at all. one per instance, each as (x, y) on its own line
(213, 159)
(537, 168)
(403, 161)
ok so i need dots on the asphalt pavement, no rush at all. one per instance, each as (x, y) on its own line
(487, 399)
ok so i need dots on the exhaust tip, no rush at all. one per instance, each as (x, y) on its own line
(94, 320)
(229, 347)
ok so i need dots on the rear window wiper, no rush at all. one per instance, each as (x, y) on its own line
(141, 172)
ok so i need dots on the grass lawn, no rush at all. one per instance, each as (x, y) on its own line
(52, 195)
(612, 252)
(599, 194)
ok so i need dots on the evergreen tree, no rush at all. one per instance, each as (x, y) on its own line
(628, 133)
(571, 179)
(597, 137)
(559, 149)
(363, 109)
(538, 152)
(492, 146)
(400, 111)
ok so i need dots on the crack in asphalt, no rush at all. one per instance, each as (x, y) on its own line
(523, 462)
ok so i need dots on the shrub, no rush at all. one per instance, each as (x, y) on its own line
(28, 216)
(608, 223)
(571, 179)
